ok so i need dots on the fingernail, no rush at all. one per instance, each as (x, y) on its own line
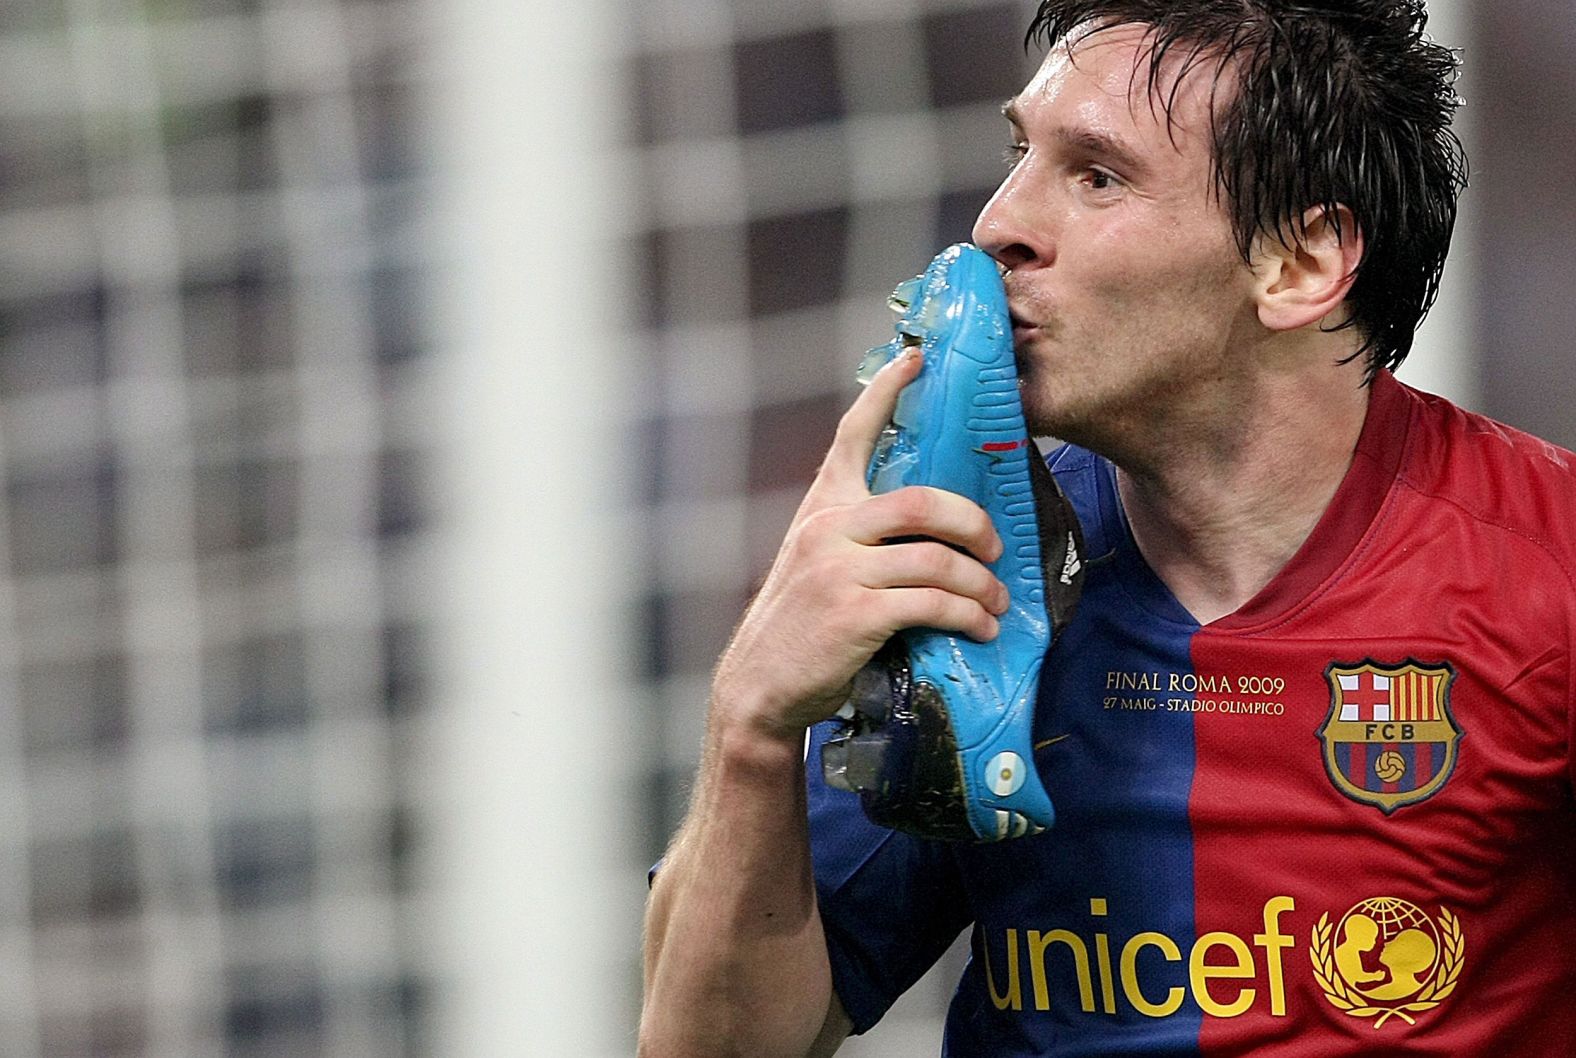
(897, 361)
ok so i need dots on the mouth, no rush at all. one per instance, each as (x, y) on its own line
(1021, 328)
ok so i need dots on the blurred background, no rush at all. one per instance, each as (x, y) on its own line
(399, 400)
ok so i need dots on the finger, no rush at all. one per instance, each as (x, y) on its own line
(942, 610)
(849, 457)
(933, 565)
(919, 510)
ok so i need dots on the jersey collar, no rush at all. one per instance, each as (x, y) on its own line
(1381, 447)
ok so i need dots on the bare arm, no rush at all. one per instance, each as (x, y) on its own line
(735, 959)
(736, 962)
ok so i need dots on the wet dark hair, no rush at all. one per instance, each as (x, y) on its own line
(1340, 102)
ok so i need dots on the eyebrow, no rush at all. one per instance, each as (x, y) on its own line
(1088, 140)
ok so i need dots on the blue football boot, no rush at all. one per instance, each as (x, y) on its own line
(937, 736)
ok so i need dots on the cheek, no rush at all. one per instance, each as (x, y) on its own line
(1124, 259)
(1182, 273)
(1170, 301)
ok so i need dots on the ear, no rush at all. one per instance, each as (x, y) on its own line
(1306, 281)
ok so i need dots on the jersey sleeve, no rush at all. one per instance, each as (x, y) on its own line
(890, 903)
(1570, 700)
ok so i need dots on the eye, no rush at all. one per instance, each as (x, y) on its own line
(1014, 154)
(1100, 180)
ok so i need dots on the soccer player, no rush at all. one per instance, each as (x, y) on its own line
(1309, 734)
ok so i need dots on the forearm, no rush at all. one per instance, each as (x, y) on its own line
(736, 962)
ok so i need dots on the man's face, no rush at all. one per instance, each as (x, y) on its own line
(1128, 294)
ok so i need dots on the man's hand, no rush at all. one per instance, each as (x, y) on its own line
(837, 591)
(736, 959)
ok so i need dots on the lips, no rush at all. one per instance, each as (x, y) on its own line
(1020, 326)
(1028, 311)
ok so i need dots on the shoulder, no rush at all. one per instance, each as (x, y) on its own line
(1492, 473)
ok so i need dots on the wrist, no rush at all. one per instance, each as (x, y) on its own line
(780, 710)
(748, 733)
(751, 779)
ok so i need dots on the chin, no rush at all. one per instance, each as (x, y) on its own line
(1070, 423)
(1046, 414)
(1048, 422)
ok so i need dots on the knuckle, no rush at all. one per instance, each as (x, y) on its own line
(914, 505)
(936, 562)
(966, 614)
(817, 526)
(845, 594)
(850, 423)
(928, 607)
(978, 525)
(830, 578)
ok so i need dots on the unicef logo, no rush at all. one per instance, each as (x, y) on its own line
(1386, 958)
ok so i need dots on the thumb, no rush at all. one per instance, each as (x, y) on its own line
(842, 475)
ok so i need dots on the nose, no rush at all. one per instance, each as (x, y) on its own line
(1002, 231)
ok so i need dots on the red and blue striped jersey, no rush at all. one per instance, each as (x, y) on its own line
(1338, 821)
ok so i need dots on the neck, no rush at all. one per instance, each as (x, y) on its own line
(1220, 509)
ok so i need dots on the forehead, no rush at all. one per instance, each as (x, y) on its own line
(1106, 79)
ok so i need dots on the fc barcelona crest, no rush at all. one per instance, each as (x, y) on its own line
(1389, 740)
